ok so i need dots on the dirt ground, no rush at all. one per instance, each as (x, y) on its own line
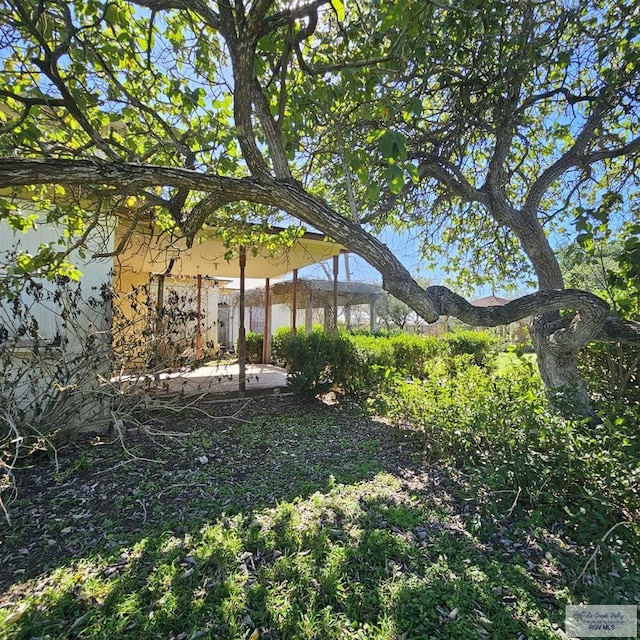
(179, 465)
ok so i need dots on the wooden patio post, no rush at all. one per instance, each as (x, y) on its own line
(267, 327)
(199, 321)
(242, 336)
(294, 319)
(159, 306)
(336, 266)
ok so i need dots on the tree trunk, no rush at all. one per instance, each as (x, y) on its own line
(557, 362)
(558, 368)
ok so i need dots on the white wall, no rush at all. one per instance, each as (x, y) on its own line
(46, 378)
(187, 291)
(95, 274)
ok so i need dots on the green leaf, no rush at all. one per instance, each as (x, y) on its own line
(372, 193)
(413, 172)
(392, 145)
(386, 144)
(338, 7)
(363, 174)
(395, 178)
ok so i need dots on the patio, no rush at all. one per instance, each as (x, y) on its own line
(215, 379)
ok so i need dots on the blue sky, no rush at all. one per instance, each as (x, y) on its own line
(407, 250)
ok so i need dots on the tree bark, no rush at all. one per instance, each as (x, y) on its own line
(564, 385)
(556, 339)
(557, 355)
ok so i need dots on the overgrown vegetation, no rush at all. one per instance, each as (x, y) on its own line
(472, 511)
(254, 346)
(316, 362)
(50, 376)
(612, 374)
(496, 426)
(608, 261)
(360, 362)
(295, 520)
(489, 418)
(76, 359)
(352, 121)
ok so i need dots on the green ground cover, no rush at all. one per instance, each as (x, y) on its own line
(294, 519)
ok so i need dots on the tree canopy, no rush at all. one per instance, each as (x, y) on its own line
(488, 126)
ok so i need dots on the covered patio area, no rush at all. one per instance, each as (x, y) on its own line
(148, 258)
(329, 295)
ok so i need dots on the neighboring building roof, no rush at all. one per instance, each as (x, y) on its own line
(490, 301)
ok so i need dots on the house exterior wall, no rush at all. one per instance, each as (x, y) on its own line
(281, 317)
(131, 319)
(51, 372)
(183, 319)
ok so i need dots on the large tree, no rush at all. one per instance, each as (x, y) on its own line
(485, 124)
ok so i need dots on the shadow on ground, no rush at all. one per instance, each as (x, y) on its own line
(287, 520)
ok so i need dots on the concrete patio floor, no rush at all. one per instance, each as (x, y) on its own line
(219, 379)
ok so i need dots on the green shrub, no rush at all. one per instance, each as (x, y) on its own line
(413, 356)
(373, 357)
(363, 362)
(378, 333)
(412, 353)
(254, 346)
(499, 430)
(612, 373)
(480, 344)
(281, 335)
(317, 362)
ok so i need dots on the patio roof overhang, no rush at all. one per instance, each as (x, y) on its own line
(149, 251)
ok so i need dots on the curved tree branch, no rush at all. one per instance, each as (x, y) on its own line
(589, 322)
(32, 101)
(608, 154)
(448, 303)
(14, 172)
(450, 176)
(285, 18)
(568, 159)
(197, 6)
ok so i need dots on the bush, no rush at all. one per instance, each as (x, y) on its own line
(254, 346)
(281, 336)
(477, 343)
(500, 431)
(318, 362)
(378, 333)
(412, 354)
(612, 373)
(363, 362)
(373, 358)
